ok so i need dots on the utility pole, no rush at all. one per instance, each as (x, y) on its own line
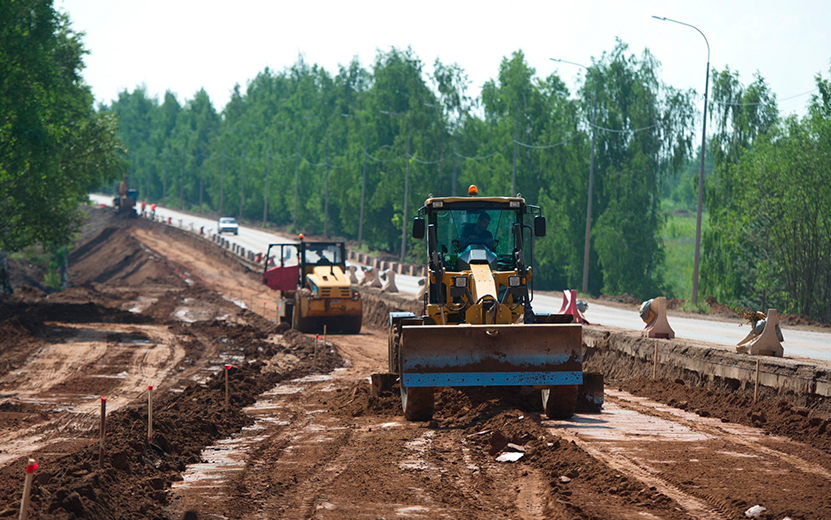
(326, 192)
(455, 161)
(182, 182)
(265, 192)
(296, 175)
(406, 197)
(164, 174)
(363, 190)
(201, 181)
(516, 139)
(221, 179)
(242, 179)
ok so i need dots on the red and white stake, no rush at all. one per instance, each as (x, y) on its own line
(27, 488)
(150, 413)
(102, 432)
(227, 388)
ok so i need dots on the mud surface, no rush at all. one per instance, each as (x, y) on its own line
(301, 435)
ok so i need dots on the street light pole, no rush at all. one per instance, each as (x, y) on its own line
(265, 191)
(242, 179)
(696, 262)
(587, 245)
(406, 196)
(363, 190)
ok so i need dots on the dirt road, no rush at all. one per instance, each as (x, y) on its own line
(303, 438)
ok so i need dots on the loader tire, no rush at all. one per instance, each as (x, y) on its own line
(417, 403)
(559, 402)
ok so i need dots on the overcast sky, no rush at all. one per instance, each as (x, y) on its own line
(183, 46)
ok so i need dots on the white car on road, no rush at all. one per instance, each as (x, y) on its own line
(228, 225)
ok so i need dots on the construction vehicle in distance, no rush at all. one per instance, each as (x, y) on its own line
(477, 327)
(314, 289)
(125, 202)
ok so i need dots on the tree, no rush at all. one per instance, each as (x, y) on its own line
(53, 147)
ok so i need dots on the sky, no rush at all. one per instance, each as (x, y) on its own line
(184, 45)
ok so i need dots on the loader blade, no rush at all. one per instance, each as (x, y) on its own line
(491, 355)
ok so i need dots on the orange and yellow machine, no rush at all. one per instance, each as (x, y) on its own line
(314, 289)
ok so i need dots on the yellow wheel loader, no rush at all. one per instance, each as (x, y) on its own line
(314, 289)
(477, 327)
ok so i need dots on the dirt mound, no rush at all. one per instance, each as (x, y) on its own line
(115, 257)
(621, 298)
(718, 308)
(378, 305)
(675, 303)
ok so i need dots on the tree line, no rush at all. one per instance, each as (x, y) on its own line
(334, 154)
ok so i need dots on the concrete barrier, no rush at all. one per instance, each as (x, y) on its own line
(621, 355)
(389, 281)
(766, 342)
(569, 306)
(654, 314)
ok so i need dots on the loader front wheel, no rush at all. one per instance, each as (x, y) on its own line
(417, 403)
(559, 402)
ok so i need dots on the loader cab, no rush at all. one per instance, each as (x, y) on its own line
(479, 229)
(467, 234)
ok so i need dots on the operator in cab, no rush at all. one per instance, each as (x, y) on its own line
(479, 233)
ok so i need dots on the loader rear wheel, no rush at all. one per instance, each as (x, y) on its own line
(559, 402)
(417, 403)
(352, 326)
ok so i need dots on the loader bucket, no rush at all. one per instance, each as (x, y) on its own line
(491, 355)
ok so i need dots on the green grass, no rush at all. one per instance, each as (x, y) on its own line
(678, 236)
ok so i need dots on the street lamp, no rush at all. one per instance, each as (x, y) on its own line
(701, 168)
(516, 135)
(406, 184)
(591, 181)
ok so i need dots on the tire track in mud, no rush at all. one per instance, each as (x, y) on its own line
(58, 378)
(695, 460)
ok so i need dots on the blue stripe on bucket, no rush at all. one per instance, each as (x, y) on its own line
(416, 361)
(492, 379)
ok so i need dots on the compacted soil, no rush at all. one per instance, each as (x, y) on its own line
(301, 436)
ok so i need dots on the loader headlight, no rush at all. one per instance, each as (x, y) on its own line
(460, 281)
(438, 203)
(514, 204)
(514, 281)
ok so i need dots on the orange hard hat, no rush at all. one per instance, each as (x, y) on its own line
(473, 190)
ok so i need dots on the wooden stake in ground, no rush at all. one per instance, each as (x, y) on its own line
(324, 336)
(27, 488)
(150, 413)
(655, 362)
(227, 388)
(102, 432)
(314, 355)
(756, 387)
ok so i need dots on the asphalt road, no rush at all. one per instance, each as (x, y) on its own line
(722, 334)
